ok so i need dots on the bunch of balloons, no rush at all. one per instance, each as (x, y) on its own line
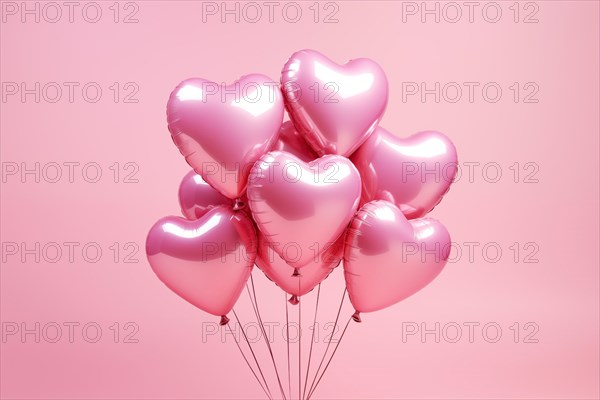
(298, 197)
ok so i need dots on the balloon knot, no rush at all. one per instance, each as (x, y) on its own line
(356, 317)
(239, 204)
(296, 272)
(224, 320)
(294, 300)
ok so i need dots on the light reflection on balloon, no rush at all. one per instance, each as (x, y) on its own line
(207, 261)
(414, 172)
(336, 107)
(221, 139)
(388, 258)
(299, 214)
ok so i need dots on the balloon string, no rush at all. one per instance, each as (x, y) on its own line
(267, 391)
(328, 343)
(287, 327)
(299, 344)
(247, 362)
(331, 358)
(258, 317)
(312, 340)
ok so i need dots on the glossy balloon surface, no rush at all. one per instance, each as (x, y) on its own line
(302, 208)
(280, 272)
(291, 140)
(388, 258)
(207, 261)
(222, 130)
(414, 173)
(336, 107)
(196, 197)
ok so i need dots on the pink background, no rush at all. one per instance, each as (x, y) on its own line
(559, 213)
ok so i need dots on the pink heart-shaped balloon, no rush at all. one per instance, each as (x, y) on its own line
(277, 270)
(291, 141)
(207, 261)
(335, 106)
(388, 258)
(196, 197)
(413, 173)
(302, 208)
(221, 131)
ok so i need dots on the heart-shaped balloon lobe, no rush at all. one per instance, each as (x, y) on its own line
(222, 131)
(277, 270)
(414, 173)
(207, 261)
(302, 208)
(388, 258)
(335, 106)
(196, 197)
(292, 141)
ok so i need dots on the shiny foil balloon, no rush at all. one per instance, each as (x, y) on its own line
(302, 208)
(388, 258)
(206, 261)
(196, 197)
(336, 107)
(414, 173)
(293, 142)
(222, 131)
(277, 270)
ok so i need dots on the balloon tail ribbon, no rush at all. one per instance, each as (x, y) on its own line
(328, 344)
(264, 333)
(331, 358)
(265, 388)
(238, 205)
(312, 340)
